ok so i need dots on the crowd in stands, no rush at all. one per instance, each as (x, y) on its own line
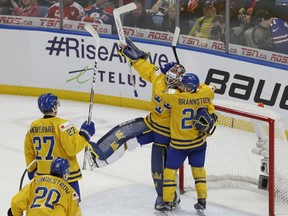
(252, 23)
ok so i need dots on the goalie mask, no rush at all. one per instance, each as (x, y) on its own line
(173, 75)
(48, 102)
(189, 82)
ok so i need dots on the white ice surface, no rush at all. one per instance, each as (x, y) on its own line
(123, 188)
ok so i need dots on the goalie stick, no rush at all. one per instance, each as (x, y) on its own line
(24, 173)
(95, 35)
(117, 12)
(174, 42)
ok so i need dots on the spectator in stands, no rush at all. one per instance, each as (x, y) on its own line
(169, 22)
(26, 8)
(203, 24)
(72, 10)
(242, 6)
(189, 11)
(237, 32)
(155, 8)
(217, 30)
(100, 12)
(139, 18)
(5, 7)
(162, 5)
(278, 30)
(258, 35)
(5, 3)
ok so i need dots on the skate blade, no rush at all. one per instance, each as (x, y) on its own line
(162, 213)
(200, 212)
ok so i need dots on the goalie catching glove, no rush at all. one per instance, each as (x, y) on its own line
(131, 52)
(205, 122)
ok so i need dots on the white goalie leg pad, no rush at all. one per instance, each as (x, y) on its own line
(99, 163)
(93, 161)
(90, 160)
(116, 155)
(131, 144)
(260, 151)
(261, 143)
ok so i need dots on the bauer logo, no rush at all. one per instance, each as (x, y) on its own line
(249, 88)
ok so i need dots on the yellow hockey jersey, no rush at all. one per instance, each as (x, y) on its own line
(184, 108)
(46, 195)
(52, 137)
(159, 118)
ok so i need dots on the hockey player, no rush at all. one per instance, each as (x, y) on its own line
(48, 194)
(194, 119)
(154, 128)
(50, 137)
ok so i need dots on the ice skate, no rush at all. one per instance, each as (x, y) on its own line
(165, 207)
(200, 206)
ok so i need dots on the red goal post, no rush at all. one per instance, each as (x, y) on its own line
(246, 139)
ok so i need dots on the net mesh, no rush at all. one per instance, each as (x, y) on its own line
(229, 157)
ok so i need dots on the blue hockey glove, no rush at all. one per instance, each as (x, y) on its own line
(167, 67)
(131, 52)
(87, 130)
(205, 122)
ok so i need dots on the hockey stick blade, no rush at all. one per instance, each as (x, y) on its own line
(174, 42)
(126, 8)
(117, 12)
(93, 32)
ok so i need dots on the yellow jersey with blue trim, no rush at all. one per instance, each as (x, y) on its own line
(184, 135)
(51, 137)
(159, 118)
(46, 195)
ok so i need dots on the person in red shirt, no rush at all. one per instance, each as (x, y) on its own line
(72, 10)
(26, 8)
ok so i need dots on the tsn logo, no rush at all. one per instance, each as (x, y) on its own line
(244, 91)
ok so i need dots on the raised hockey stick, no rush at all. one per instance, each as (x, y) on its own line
(24, 173)
(174, 42)
(117, 12)
(96, 37)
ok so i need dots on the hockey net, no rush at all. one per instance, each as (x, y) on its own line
(248, 144)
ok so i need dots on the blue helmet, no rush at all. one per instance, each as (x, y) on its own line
(190, 82)
(60, 167)
(48, 102)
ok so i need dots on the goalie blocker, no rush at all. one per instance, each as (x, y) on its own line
(114, 143)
